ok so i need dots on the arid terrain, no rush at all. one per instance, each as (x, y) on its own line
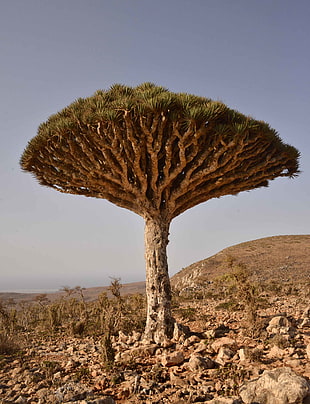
(242, 336)
(89, 293)
(276, 259)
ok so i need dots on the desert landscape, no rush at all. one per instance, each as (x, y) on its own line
(138, 138)
(242, 335)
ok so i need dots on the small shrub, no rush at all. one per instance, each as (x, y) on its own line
(228, 305)
(77, 328)
(8, 319)
(211, 295)
(273, 287)
(187, 313)
(8, 345)
(231, 377)
(245, 293)
(50, 368)
(82, 374)
(115, 287)
(157, 374)
(108, 353)
(256, 355)
(280, 341)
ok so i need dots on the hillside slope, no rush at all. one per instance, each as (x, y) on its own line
(277, 258)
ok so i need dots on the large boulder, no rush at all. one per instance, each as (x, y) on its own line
(198, 363)
(278, 386)
(279, 325)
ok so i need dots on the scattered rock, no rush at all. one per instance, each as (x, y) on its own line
(206, 365)
(71, 392)
(178, 381)
(294, 363)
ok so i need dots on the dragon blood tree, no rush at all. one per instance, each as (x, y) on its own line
(156, 153)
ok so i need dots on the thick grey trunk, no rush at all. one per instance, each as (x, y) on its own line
(159, 323)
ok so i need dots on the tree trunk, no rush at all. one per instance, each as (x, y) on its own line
(159, 323)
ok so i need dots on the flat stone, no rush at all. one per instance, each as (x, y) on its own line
(294, 363)
(173, 359)
(197, 363)
(276, 352)
(224, 400)
(221, 342)
(21, 400)
(201, 347)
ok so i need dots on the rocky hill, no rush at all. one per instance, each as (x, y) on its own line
(278, 258)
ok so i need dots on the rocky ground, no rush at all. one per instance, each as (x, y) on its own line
(219, 361)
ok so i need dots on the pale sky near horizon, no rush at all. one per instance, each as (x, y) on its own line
(251, 54)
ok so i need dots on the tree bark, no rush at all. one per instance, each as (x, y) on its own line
(159, 323)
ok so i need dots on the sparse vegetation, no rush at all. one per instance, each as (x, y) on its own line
(72, 315)
(108, 353)
(8, 344)
(186, 313)
(56, 345)
(279, 341)
(245, 291)
(231, 376)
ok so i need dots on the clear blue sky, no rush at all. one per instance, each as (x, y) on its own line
(251, 54)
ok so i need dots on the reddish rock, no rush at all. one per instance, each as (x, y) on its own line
(173, 359)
